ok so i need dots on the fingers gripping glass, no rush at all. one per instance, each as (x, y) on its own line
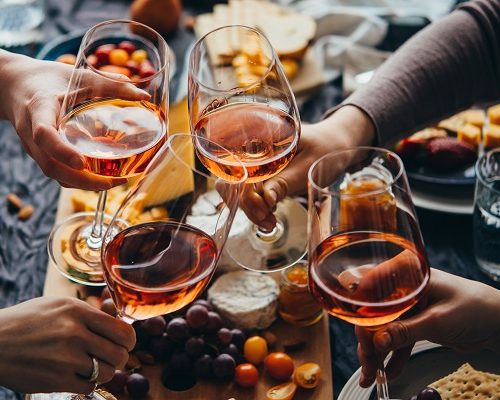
(158, 266)
(240, 98)
(367, 261)
(117, 123)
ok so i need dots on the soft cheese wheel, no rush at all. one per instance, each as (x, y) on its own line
(246, 299)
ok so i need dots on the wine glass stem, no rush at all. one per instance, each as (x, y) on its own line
(94, 241)
(381, 379)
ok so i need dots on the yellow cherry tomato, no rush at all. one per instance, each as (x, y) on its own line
(279, 365)
(118, 57)
(139, 56)
(255, 349)
(285, 391)
(307, 375)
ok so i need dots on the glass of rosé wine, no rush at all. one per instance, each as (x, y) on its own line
(239, 97)
(161, 260)
(367, 261)
(117, 121)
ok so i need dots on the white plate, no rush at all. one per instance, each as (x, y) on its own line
(453, 205)
(429, 362)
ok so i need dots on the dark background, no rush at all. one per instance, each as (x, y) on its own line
(23, 255)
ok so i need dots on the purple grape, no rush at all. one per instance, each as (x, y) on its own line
(181, 364)
(137, 385)
(117, 383)
(194, 346)
(153, 326)
(233, 351)
(161, 346)
(223, 366)
(204, 303)
(197, 317)
(203, 366)
(178, 329)
(428, 393)
(225, 336)
(413, 398)
(238, 338)
(214, 322)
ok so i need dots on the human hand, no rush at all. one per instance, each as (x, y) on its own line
(347, 127)
(456, 312)
(48, 344)
(32, 93)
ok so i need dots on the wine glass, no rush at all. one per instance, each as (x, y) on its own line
(367, 261)
(155, 267)
(240, 98)
(117, 123)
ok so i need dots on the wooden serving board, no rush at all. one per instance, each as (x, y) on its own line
(316, 350)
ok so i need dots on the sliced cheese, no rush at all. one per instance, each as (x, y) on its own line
(492, 136)
(469, 133)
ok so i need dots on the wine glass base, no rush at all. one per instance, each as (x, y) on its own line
(276, 250)
(69, 251)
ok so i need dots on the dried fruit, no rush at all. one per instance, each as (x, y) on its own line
(449, 153)
(133, 363)
(69, 59)
(25, 212)
(270, 338)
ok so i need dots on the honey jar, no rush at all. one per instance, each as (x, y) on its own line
(296, 305)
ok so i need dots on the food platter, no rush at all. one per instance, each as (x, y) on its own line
(315, 337)
(428, 363)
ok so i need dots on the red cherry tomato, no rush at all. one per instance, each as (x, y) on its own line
(279, 365)
(308, 375)
(285, 391)
(246, 375)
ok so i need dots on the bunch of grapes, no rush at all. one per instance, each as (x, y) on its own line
(192, 345)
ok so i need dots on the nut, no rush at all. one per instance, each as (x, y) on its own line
(25, 212)
(14, 200)
(133, 363)
(270, 338)
(145, 357)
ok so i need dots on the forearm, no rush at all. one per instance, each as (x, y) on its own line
(8, 70)
(447, 67)
(493, 304)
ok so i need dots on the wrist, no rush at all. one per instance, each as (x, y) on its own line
(356, 126)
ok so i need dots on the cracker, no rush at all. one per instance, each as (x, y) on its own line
(468, 383)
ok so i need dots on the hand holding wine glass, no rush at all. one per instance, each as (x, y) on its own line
(366, 254)
(116, 125)
(255, 116)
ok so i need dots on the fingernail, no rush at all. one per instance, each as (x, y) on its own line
(76, 163)
(384, 339)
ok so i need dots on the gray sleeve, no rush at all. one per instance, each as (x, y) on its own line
(446, 67)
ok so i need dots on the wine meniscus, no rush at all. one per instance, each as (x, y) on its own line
(157, 268)
(260, 136)
(117, 138)
(367, 278)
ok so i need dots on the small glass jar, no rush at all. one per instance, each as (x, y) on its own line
(296, 305)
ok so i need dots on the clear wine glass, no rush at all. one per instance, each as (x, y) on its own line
(367, 260)
(240, 98)
(155, 267)
(117, 123)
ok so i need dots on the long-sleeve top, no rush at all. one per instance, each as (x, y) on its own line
(446, 67)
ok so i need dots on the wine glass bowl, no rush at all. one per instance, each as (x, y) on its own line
(117, 123)
(239, 98)
(158, 267)
(367, 260)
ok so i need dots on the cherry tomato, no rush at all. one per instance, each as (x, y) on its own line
(139, 56)
(102, 53)
(129, 47)
(285, 391)
(279, 365)
(246, 375)
(255, 349)
(118, 57)
(307, 375)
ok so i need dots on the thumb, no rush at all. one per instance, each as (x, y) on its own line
(399, 334)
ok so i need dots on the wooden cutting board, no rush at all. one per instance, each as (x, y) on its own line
(317, 347)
